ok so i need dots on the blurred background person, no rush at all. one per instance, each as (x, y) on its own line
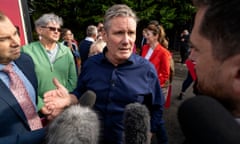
(190, 78)
(69, 41)
(51, 58)
(97, 47)
(155, 50)
(100, 29)
(100, 25)
(184, 45)
(85, 44)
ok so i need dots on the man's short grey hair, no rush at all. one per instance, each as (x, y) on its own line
(91, 31)
(47, 18)
(118, 10)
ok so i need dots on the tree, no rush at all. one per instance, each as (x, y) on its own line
(174, 15)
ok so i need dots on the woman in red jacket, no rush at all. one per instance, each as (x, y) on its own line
(155, 50)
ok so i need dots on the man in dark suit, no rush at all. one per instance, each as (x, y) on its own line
(85, 44)
(14, 122)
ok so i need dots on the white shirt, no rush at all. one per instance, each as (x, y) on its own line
(149, 54)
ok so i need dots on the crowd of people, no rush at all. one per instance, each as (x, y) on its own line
(42, 80)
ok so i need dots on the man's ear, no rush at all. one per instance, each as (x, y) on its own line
(235, 70)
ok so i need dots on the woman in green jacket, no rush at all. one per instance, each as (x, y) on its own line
(51, 58)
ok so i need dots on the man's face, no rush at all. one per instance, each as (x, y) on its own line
(120, 38)
(9, 42)
(214, 76)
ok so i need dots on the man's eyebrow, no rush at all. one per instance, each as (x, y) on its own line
(7, 36)
(3, 37)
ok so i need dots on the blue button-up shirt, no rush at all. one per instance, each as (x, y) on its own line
(116, 86)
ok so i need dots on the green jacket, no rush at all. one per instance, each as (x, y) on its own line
(63, 68)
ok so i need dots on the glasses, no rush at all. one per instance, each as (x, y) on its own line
(52, 28)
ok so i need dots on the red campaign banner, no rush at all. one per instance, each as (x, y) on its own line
(13, 9)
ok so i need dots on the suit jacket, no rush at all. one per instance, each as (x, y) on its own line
(13, 122)
(84, 50)
(160, 58)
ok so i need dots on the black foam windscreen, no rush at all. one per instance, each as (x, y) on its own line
(204, 120)
(137, 124)
(88, 99)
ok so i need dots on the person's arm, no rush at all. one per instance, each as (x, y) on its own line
(156, 109)
(164, 69)
(57, 100)
(33, 137)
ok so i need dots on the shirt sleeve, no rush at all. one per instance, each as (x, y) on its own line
(164, 72)
(156, 109)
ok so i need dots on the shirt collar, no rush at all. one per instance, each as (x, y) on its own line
(89, 39)
(2, 65)
(130, 60)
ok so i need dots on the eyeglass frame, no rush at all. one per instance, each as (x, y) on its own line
(54, 29)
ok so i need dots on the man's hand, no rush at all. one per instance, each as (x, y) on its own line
(55, 100)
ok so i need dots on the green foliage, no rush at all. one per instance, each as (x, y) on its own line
(78, 14)
(168, 15)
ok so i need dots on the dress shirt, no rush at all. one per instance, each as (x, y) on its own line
(4, 77)
(116, 86)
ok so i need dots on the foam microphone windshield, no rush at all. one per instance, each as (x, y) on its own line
(137, 124)
(205, 121)
(75, 125)
(88, 99)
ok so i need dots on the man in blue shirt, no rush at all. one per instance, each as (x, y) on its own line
(118, 77)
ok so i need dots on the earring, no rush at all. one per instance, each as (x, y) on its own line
(39, 37)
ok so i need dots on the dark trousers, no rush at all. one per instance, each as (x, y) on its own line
(187, 82)
(183, 54)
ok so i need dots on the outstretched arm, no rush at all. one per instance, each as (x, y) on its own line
(56, 100)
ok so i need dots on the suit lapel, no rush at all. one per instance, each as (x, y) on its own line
(7, 96)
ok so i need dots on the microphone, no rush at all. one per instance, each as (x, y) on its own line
(137, 124)
(204, 120)
(76, 124)
(88, 99)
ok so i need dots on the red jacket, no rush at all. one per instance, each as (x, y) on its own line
(160, 58)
